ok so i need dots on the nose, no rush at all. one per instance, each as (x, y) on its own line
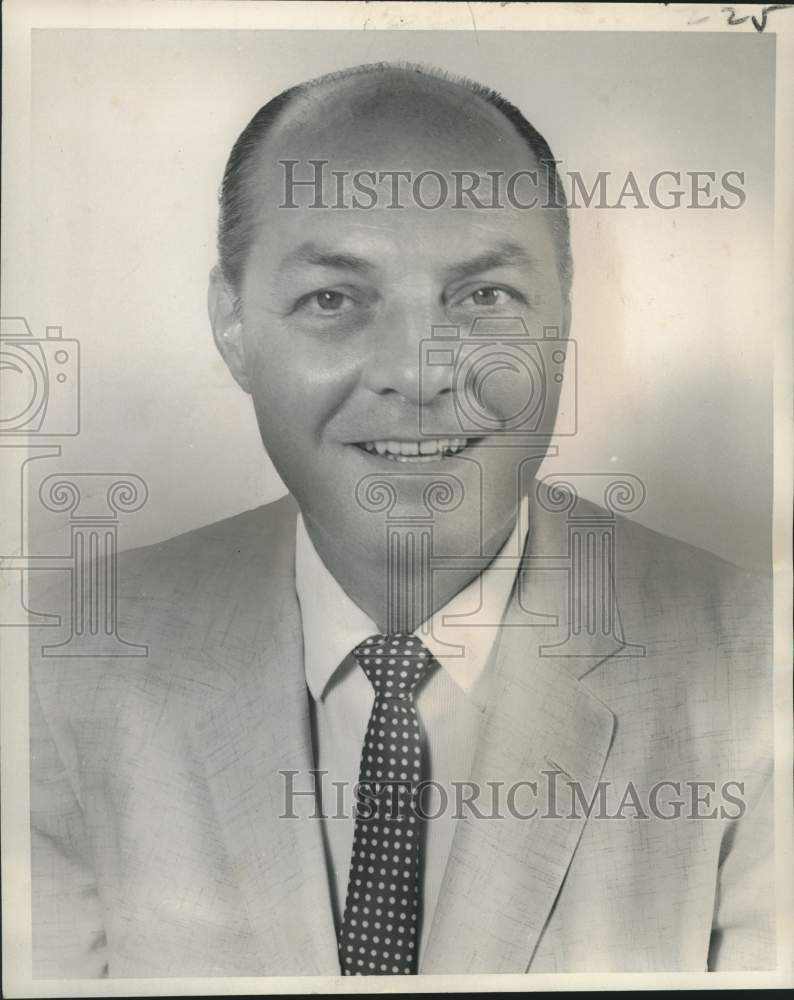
(396, 362)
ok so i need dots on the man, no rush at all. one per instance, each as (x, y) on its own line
(400, 618)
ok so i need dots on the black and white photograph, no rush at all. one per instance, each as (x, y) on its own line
(395, 418)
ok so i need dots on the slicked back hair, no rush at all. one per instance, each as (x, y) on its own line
(236, 222)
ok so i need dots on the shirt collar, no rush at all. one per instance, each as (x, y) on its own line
(460, 635)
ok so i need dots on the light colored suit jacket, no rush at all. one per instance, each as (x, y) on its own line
(156, 787)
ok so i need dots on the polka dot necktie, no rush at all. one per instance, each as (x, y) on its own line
(379, 934)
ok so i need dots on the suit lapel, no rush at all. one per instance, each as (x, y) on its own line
(259, 729)
(541, 726)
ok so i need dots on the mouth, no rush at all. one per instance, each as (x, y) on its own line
(426, 450)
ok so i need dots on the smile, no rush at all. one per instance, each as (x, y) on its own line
(427, 450)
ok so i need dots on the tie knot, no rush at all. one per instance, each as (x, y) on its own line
(394, 664)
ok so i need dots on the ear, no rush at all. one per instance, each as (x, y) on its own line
(227, 327)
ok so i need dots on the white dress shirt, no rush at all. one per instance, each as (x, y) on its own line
(449, 703)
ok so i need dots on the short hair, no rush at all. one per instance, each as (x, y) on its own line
(235, 228)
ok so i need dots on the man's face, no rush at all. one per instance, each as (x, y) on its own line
(336, 305)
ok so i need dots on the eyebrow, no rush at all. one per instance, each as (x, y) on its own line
(503, 253)
(316, 255)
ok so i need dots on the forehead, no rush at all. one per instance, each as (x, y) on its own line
(385, 122)
(400, 243)
(389, 125)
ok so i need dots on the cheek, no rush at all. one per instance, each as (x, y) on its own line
(508, 393)
(515, 389)
(516, 382)
(295, 387)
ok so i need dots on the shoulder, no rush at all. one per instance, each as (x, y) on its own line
(263, 536)
(652, 573)
(666, 575)
(189, 614)
(706, 629)
(697, 629)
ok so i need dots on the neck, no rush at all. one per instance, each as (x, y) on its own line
(395, 591)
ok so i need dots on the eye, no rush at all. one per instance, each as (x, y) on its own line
(325, 303)
(489, 296)
(341, 309)
(329, 301)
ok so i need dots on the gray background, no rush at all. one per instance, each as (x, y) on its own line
(130, 132)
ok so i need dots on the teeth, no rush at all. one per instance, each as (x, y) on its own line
(409, 449)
